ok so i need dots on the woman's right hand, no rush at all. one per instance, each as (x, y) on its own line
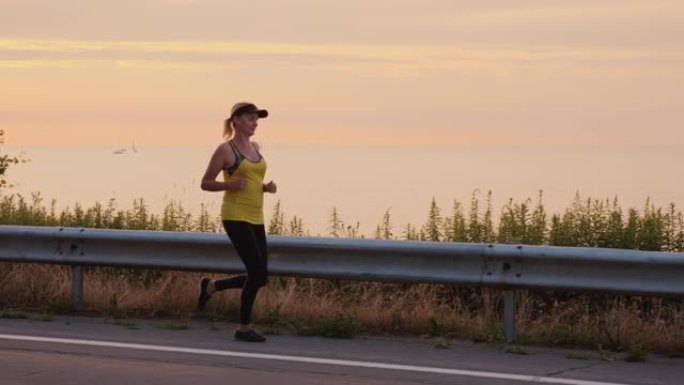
(237, 184)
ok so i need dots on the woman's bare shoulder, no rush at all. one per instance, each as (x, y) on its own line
(223, 146)
(224, 152)
(224, 149)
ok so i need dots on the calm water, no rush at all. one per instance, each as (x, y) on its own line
(361, 182)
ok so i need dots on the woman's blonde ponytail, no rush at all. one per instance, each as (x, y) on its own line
(228, 128)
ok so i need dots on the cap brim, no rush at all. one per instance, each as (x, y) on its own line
(261, 113)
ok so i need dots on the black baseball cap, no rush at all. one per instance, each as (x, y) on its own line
(247, 108)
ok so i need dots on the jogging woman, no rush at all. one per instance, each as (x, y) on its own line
(243, 168)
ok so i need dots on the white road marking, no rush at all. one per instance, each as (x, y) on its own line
(311, 360)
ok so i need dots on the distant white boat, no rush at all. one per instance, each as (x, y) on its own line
(123, 150)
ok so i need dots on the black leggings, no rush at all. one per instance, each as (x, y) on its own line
(249, 241)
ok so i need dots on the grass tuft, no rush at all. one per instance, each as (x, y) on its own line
(12, 314)
(176, 325)
(636, 353)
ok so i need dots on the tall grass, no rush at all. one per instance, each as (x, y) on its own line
(573, 319)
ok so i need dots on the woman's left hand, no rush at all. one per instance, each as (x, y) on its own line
(270, 187)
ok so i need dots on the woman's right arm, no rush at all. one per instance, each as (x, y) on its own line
(220, 158)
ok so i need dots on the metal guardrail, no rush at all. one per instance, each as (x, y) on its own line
(494, 265)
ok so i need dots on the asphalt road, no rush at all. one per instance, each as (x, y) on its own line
(92, 350)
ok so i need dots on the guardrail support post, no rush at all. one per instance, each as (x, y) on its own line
(509, 316)
(77, 287)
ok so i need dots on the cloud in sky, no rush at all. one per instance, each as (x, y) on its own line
(377, 59)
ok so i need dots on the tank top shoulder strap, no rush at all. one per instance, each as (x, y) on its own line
(238, 158)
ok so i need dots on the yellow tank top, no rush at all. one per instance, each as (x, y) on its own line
(245, 205)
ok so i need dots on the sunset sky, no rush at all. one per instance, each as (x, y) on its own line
(353, 72)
